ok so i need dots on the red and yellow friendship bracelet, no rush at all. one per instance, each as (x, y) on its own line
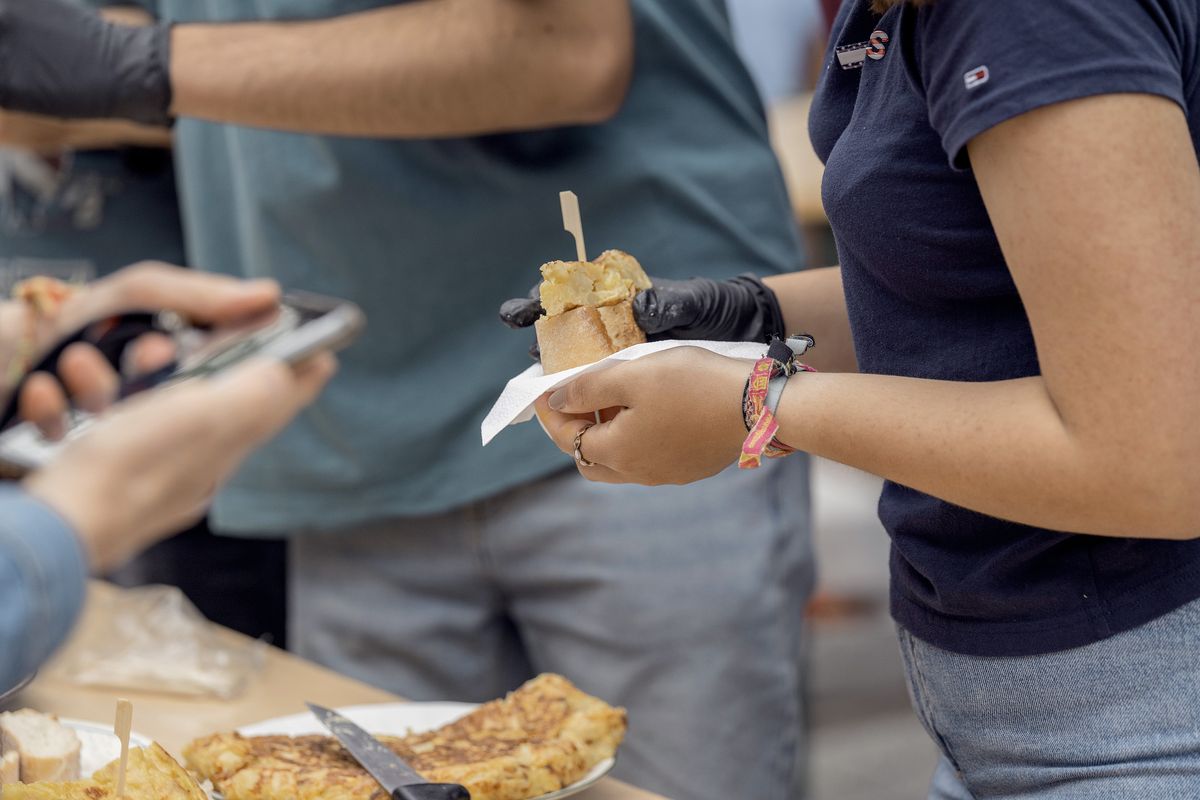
(764, 388)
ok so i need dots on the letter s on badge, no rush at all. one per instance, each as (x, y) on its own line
(878, 48)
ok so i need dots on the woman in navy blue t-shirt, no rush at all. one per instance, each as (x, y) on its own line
(1013, 341)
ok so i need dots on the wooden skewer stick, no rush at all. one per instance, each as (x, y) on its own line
(572, 223)
(122, 728)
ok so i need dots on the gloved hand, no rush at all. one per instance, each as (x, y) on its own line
(741, 309)
(61, 60)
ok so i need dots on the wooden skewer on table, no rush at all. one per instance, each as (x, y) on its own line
(122, 727)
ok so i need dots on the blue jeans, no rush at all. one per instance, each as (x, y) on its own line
(683, 604)
(1116, 719)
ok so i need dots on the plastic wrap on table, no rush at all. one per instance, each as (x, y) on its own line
(153, 639)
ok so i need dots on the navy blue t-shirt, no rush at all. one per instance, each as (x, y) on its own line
(930, 295)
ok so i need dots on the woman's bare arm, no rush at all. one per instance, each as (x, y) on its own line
(1096, 204)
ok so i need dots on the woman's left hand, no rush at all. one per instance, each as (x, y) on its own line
(679, 418)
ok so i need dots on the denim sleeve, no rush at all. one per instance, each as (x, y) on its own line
(982, 63)
(42, 581)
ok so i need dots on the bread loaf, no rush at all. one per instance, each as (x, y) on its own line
(589, 309)
(48, 751)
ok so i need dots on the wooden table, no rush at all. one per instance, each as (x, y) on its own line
(280, 689)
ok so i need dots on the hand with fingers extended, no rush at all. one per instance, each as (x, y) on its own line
(740, 309)
(680, 418)
(86, 376)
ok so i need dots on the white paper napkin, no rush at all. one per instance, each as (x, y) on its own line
(515, 404)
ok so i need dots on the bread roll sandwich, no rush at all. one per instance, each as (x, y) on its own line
(47, 750)
(588, 307)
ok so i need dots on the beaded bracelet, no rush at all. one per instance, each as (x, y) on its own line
(760, 400)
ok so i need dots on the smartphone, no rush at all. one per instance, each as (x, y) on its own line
(302, 325)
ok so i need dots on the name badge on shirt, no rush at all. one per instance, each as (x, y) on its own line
(854, 56)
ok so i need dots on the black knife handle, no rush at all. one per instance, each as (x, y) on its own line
(432, 791)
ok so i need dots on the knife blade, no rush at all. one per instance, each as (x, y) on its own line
(21, 684)
(394, 774)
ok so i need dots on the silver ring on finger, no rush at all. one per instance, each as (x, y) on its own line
(579, 459)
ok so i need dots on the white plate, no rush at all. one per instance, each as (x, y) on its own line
(99, 746)
(400, 719)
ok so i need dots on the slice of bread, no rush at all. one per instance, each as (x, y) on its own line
(589, 309)
(48, 751)
(10, 767)
(584, 335)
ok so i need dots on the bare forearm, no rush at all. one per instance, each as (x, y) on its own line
(127, 15)
(998, 448)
(47, 136)
(813, 302)
(104, 134)
(421, 69)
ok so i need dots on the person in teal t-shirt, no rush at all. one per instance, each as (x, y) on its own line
(409, 156)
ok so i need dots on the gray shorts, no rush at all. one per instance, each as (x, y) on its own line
(683, 604)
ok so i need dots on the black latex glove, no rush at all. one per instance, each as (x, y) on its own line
(61, 60)
(741, 309)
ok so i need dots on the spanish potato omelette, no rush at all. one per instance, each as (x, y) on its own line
(544, 736)
(151, 775)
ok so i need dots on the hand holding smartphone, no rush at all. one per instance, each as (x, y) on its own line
(302, 325)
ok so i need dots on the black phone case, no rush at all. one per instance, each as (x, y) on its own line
(111, 337)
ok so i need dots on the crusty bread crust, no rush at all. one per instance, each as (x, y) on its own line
(588, 309)
(18, 729)
(542, 737)
(10, 767)
(585, 335)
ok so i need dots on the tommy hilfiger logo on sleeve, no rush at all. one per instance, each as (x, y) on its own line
(977, 77)
(854, 56)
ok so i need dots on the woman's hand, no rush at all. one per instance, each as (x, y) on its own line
(151, 467)
(680, 417)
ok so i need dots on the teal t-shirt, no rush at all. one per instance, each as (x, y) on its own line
(100, 210)
(430, 236)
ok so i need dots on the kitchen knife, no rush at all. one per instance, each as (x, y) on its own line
(21, 684)
(399, 779)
